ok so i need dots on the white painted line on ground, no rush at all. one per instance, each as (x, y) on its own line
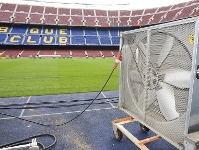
(70, 112)
(108, 100)
(25, 106)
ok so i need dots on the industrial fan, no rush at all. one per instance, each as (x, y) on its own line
(155, 78)
(162, 75)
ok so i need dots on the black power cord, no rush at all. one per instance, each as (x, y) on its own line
(5, 114)
(22, 141)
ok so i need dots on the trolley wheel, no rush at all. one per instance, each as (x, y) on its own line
(118, 135)
(144, 128)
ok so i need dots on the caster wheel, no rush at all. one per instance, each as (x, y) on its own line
(118, 135)
(144, 128)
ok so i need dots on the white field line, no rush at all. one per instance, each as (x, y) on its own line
(108, 100)
(70, 112)
(24, 106)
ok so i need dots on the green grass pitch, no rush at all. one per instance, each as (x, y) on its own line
(29, 77)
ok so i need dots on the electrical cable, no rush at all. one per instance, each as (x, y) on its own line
(5, 114)
(16, 143)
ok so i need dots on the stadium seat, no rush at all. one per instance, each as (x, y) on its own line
(104, 40)
(92, 40)
(171, 15)
(77, 31)
(50, 19)
(3, 38)
(164, 9)
(90, 21)
(6, 16)
(8, 7)
(88, 12)
(37, 9)
(20, 18)
(187, 12)
(115, 40)
(63, 20)
(50, 10)
(76, 20)
(63, 11)
(35, 19)
(157, 17)
(23, 8)
(90, 31)
(77, 40)
(150, 11)
(103, 32)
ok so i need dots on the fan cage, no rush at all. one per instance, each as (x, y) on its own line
(154, 77)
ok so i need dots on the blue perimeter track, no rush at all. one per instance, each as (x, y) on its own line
(90, 131)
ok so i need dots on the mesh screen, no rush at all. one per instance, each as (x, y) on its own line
(155, 77)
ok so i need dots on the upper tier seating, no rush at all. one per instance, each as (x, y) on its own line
(17, 13)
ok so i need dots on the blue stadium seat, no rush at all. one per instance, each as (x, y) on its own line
(103, 32)
(77, 40)
(114, 32)
(77, 32)
(47, 40)
(92, 40)
(48, 30)
(115, 40)
(2, 38)
(34, 30)
(90, 31)
(32, 40)
(105, 40)
(62, 30)
(15, 39)
(19, 29)
(63, 40)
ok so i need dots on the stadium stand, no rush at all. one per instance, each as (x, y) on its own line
(93, 53)
(8, 7)
(47, 52)
(11, 53)
(63, 52)
(50, 19)
(171, 15)
(6, 16)
(164, 9)
(156, 18)
(92, 40)
(107, 53)
(37, 9)
(29, 53)
(43, 25)
(35, 19)
(90, 21)
(78, 53)
(20, 18)
(88, 12)
(23, 8)
(150, 11)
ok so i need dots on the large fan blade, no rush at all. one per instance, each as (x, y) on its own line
(178, 78)
(166, 48)
(135, 76)
(166, 101)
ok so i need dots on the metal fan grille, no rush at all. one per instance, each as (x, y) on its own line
(155, 76)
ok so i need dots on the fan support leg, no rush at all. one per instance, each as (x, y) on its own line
(118, 125)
